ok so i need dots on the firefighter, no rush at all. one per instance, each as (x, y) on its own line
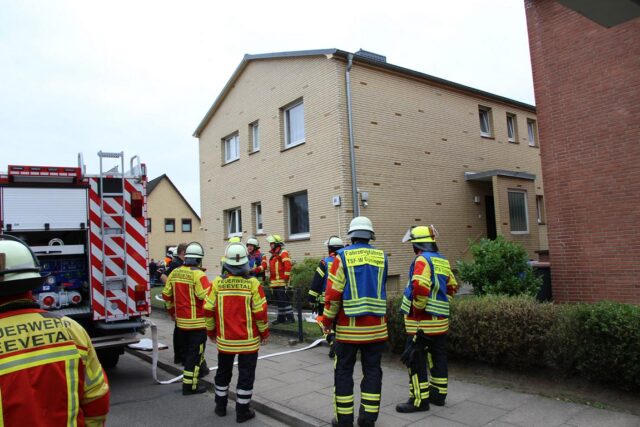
(356, 299)
(257, 260)
(425, 304)
(279, 272)
(234, 239)
(49, 371)
(237, 320)
(319, 284)
(184, 296)
(177, 259)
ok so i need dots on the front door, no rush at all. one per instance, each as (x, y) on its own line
(490, 215)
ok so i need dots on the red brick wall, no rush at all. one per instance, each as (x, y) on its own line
(587, 87)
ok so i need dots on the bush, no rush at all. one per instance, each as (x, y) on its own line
(499, 267)
(395, 325)
(599, 341)
(302, 275)
(507, 331)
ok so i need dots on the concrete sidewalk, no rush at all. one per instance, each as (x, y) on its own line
(297, 390)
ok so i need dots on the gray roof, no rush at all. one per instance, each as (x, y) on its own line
(486, 176)
(357, 59)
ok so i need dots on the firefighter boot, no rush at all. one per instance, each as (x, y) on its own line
(335, 423)
(244, 413)
(221, 406)
(408, 406)
(188, 390)
(364, 423)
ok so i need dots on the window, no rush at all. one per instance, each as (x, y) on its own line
(294, 125)
(518, 212)
(186, 225)
(298, 214)
(148, 225)
(234, 222)
(512, 128)
(540, 209)
(485, 121)
(169, 225)
(533, 132)
(254, 133)
(231, 148)
(257, 216)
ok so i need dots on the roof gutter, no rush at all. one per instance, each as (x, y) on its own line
(352, 153)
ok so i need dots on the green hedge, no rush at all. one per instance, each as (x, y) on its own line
(598, 341)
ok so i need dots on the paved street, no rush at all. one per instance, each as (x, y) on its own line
(136, 400)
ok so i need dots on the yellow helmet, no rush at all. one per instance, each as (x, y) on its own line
(420, 234)
(235, 239)
(275, 238)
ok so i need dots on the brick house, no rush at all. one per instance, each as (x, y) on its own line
(586, 71)
(171, 219)
(275, 157)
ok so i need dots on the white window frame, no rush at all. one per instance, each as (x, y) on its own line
(228, 153)
(255, 136)
(287, 138)
(297, 236)
(526, 211)
(487, 114)
(257, 212)
(234, 221)
(513, 129)
(532, 131)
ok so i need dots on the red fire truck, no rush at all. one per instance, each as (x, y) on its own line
(89, 233)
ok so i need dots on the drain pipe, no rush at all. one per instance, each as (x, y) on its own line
(354, 187)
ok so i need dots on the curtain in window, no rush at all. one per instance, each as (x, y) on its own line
(517, 211)
(296, 123)
(299, 214)
(484, 121)
(532, 135)
(510, 129)
(256, 137)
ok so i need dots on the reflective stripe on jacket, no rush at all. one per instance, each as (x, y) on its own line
(363, 327)
(49, 372)
(319, 284)
(365, 270)
(279, 268)
(425, 301)
(236, 314)
(184, 295)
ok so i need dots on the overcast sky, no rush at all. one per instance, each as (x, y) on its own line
(138, 76)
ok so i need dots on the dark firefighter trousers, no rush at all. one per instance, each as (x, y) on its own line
(246, 376)
(434, 360)
(178, 345)
(194, 363)
(370, 386)
(285, 309)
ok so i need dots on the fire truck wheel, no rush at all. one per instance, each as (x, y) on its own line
(109, 357)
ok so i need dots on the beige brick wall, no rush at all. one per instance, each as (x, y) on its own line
(266, 176)
(501, 186)
(165, 202)
(414, 143)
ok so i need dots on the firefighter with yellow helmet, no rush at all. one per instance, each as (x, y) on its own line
(44, 355)
(279, 273)
(237, 320)
(356, 300)
(425, 305)
(184, 295)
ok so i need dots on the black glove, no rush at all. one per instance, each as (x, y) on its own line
(408, 356)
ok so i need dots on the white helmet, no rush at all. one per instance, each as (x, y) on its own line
(194, 250)
(19, 267)
(172, 251)
(253, 241)
(334, 241)
(236, 254)
(361, 227)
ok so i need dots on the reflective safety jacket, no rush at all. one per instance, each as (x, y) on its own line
(319, 284)
(236, 314)
(257, 263)
(425, 302)
(356, 294)
(49, 372)
(184, 295)
(279, 268)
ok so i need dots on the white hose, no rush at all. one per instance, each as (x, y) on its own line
(154, 355)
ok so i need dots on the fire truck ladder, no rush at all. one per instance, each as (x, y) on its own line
(113, 282)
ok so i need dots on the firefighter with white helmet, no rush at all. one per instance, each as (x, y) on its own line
(176, 254)
(425, 304)
(356, 299)
(279, 274)
(237, 320)
(257, 260)
(45, 354)
(184, 295)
